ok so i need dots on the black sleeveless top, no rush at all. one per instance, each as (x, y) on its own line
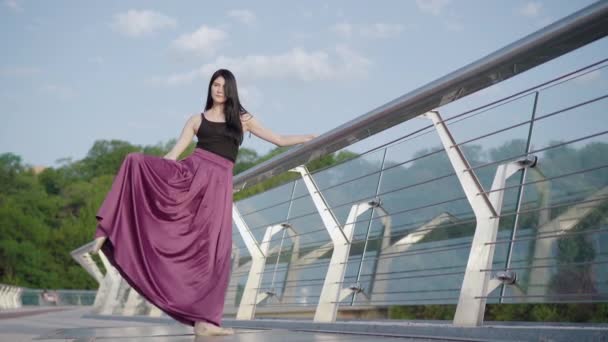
(211, 137)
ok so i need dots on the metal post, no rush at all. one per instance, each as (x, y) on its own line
(476, 284)
(106, 295)
(333, 292)
(357, 283)
(259, 253)
(276, 265)
(258, 258)
(520, 195)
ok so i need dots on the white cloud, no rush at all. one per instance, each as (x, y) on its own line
(434, 7)
(381, 30)
(19, 71)
(245, 16)
(437, 8)
(14, 5)
(204, 41)
(353, 65)
(297, 63)
(136, 23)
(531, 9)
(342, 29)
(376, 31)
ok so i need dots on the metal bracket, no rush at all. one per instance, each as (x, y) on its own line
(333, 292)
(477, 284)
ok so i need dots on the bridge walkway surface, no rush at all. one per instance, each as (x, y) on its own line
(78, 323)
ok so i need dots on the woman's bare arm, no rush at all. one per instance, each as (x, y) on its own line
(253, 125)
(184, 139)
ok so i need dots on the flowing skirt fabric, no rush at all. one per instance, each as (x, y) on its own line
(169, 229)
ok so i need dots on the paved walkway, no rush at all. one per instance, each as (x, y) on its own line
(50, 324)
(78, 323)
(28, 323)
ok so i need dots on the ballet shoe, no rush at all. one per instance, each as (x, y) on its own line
(208, 329)
(98, 243)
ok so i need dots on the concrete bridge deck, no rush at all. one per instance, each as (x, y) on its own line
(78, 323)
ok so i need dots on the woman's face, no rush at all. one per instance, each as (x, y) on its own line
(217, 90)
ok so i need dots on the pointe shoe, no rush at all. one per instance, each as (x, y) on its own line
(98, 243)
(208, 329)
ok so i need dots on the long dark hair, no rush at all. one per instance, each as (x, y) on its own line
(232, 107)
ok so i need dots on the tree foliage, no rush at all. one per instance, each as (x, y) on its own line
(45, 215)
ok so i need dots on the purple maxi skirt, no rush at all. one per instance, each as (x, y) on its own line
(169, 229)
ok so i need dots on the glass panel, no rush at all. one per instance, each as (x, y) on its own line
(265, 209)
(241, 263)
(567, 267)
(276, 268)
(419, 239)
(583, 87)
(574, 124)
(500, 147)
(350, 183)
(560, 251)
(420, 272)
(418, 145)
(492, 119)
(416, 192)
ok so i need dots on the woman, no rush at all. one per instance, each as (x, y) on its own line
(166, 225)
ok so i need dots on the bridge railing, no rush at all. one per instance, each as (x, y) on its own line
(15, 297)
(399, 225)
(475, 202)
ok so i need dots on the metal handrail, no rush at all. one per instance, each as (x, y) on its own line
(576, 30)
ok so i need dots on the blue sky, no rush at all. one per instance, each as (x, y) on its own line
(73, 72)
